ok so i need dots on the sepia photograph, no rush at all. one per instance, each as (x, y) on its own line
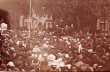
(54, 35)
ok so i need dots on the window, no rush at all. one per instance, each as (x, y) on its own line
(51, 25)
(102, 27)
(48, 25)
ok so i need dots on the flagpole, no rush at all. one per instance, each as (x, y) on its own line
(30, 20)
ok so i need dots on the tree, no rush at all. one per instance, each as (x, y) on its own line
(97, 9)
(84, 12)
(105, 11)
(23, 7)
(77, 12)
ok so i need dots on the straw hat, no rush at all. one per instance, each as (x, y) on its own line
(4, 26)
(12, 49)
(61, 64)
(45, 45)
(17, 43)
(54, 64)
(51, 57)
(90, 50)
(60, 54)
(67, 55)
(34, 50)
(68, 65)
(11, 64)
(107, 54)
(95, 65)
(45, 54)
(78, 64)
(59, 60)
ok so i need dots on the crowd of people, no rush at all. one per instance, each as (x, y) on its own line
(47, 53)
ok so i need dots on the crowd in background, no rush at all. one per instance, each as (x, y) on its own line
(46, 53)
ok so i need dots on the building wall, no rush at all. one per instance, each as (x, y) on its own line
(98, 24)
(27, 22)
(107, 26)
(36, 21)
(49, 24)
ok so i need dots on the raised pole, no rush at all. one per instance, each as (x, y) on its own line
(30, 20)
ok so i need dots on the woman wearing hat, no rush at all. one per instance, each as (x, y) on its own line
(11, 66)
(51, 58)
